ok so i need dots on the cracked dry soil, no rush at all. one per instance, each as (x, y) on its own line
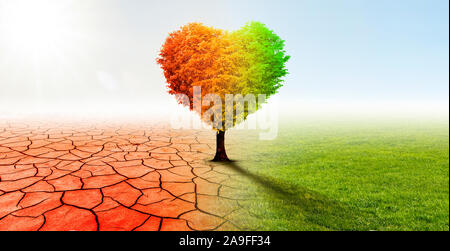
(88, 177)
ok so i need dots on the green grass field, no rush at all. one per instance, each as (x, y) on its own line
(346, 176)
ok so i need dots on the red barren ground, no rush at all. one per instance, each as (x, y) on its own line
(112, 178)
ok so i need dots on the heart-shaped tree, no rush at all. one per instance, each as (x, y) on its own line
(226, 66)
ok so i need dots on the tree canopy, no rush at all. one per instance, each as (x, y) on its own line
(251, 60)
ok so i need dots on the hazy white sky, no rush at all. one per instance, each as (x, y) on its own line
(100, 54)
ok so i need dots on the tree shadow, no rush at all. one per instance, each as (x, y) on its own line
(316, 208)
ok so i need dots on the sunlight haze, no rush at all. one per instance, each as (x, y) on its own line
(98, 56)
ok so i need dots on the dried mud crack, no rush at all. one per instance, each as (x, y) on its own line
(82, 177)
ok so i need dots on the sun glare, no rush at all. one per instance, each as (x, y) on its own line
(42, 43)
(32, 26)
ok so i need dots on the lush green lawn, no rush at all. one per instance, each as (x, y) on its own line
(346, 176)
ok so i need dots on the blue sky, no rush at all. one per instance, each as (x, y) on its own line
(349, 50)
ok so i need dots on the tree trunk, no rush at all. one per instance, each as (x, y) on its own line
(221, 154)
